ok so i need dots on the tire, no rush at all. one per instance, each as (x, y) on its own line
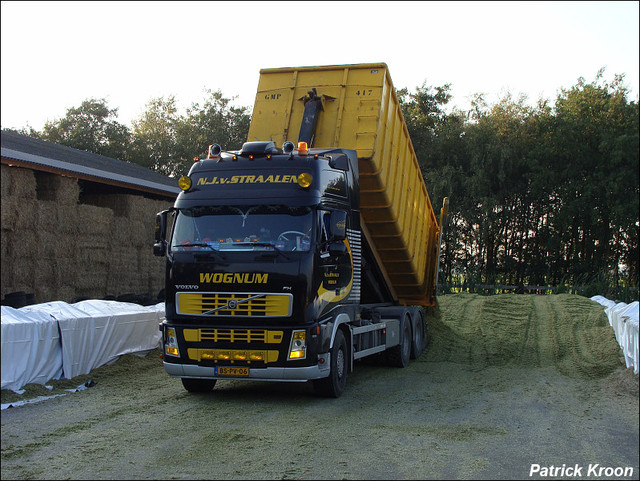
(419, 338)
(198, 385)
(334, 385)
(398, 356)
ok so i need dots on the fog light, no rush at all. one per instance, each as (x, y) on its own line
(172, 351)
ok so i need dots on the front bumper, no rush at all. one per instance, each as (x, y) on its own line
(286, 374)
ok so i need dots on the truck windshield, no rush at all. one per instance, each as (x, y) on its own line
(243, 228)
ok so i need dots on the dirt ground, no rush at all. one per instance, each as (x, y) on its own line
(508, 383)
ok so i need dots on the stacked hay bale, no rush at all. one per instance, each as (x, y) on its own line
(133, 227)
(92, 248)
(60, 249)
(57, 234)
(18, 237)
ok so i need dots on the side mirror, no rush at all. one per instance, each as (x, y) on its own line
(160, 233)
(338, 225)
(158, 249)
(161, 225)
(337, 248)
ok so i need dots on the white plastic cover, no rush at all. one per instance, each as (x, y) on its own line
(623, 318)
(107, 330)
(614, 318)
(628, 318)
(84, 335)
(31, 351)
(603, 301)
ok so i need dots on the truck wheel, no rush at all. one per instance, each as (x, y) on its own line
(334, 384)
(398, 356)
(419, 335)
(198, 385)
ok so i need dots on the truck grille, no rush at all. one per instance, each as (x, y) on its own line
(245, 336)
(233, 335)
(225, 304)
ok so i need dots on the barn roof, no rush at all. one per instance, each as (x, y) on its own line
(24, 151)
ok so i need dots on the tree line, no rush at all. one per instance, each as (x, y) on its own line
(542, 195)
(539, 195)
(161, 138)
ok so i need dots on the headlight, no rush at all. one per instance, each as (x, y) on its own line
(171, 343)
(298, 346)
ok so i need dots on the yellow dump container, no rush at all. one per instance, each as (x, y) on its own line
(361, 112)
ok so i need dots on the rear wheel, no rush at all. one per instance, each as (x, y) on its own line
(398, 356)
(334, 384)
(198, 385)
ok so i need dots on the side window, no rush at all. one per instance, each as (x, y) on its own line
(334, 183)
(325, 224)
(171, 224)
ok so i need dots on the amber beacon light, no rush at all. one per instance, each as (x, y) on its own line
(303, 148)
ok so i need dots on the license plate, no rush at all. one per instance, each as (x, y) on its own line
(232, 371)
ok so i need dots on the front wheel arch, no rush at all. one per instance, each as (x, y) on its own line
(334, 384)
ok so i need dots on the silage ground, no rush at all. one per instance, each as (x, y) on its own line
(507, 381)
(567, 332)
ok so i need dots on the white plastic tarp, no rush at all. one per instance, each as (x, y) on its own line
(628, 318)
(614, 318)
(96, 332)
(109, 330)
(31, 351)
(623, 318)
(603, 301)
(55, 340)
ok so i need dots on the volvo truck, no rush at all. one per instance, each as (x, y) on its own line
(311, 247)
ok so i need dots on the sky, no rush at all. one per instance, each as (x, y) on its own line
(55, 55)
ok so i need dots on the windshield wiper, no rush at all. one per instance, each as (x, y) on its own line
(203, 244)
(197, 244)
(264, 244)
